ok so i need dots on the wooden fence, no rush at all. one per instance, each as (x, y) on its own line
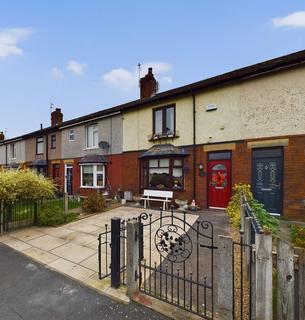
(273, 268)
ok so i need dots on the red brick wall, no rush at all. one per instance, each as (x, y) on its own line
(113, 174)
(294, 174)
(131, 172)
(294, 178)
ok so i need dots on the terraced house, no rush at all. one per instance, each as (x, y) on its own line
(197, 140)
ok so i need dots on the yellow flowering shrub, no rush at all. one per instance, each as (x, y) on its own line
(24, 184)
(233, 209)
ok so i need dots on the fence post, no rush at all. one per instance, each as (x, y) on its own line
(115, 252)
(132, 257)
(263, 276)
(66, 202)
(301, 283)
(242, 214)
(1, 218)
(225, 278)
(35, 213)
(285, 281)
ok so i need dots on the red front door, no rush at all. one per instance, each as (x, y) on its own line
(219, 173)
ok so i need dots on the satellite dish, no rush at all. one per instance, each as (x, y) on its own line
(103, 145)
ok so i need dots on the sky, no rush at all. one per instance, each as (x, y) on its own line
(82, 56)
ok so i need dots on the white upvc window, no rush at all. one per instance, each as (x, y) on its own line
(92, 176)
(13, 151)
(92, 136)
(71, 135)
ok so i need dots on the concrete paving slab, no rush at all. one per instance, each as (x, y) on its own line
(15, 244)
(91, 263)
(84, 227)
(26, 234)
(41, 256)
(47, 242)
(71, 269)
(80, 238)
(73, 252)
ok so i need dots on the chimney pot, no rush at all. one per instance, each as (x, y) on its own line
(2, 137)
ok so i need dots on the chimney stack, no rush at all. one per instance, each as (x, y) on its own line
(148, 85)
(2, 137)
(56, 117)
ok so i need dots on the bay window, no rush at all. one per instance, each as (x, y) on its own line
(92, 136)
(92, 176)
(163, 173)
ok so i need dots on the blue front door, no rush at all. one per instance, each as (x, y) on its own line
(267, 178)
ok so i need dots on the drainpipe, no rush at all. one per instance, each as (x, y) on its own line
(6, 155)
(194, 146)
(47, 154)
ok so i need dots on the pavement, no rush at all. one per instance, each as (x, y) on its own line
(30, 291)
(72, 249)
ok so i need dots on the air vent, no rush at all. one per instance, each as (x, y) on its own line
(211, 107)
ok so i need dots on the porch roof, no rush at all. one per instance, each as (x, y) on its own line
(93, 158)
(164, 150)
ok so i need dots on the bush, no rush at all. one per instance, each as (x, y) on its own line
(267, 221)
(94, 203)
(53, 215)
(233, 208)
(297, 235)
(23, 185)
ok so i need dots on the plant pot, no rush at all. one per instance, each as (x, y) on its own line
(182, 204)
(137, 200)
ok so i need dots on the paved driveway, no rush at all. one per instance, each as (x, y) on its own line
(72, 249)
(29, 291)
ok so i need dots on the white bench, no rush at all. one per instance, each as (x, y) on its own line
(157, 195)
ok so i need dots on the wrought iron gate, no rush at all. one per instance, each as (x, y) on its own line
(176, 261)
(112, 252)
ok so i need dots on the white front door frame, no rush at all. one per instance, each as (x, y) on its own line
(67, 166)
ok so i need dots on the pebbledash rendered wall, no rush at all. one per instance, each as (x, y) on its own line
(267, 108)
(110, 131)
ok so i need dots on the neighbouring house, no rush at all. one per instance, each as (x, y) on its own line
(197, 140)
(91, 153)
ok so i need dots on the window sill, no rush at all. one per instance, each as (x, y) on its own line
(91, 187)
(172, 189)
(157, 137)
(91, 148)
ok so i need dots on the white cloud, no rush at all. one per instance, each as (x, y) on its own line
(76, 67)
(10, 39)
(127, 80)
(296, 19)
(121, 78)
(56, 73)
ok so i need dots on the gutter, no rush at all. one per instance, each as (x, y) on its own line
(89, 120)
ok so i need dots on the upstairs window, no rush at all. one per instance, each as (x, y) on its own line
(164, 121)
(71, 135)
(92, 136)
(39, 145)
(53, 141)
(13, 151)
